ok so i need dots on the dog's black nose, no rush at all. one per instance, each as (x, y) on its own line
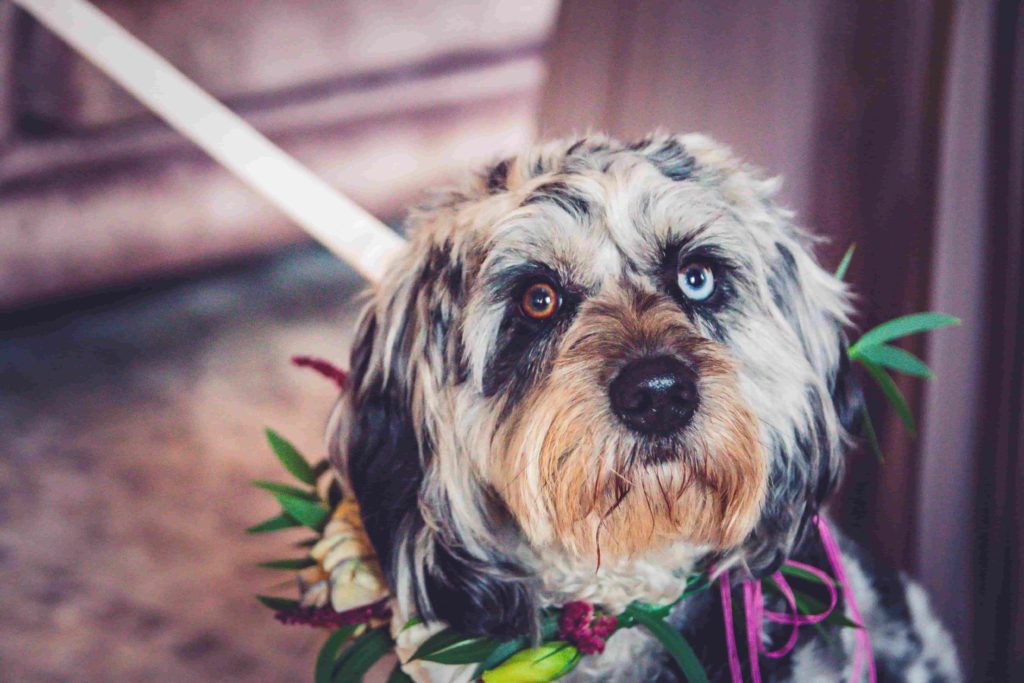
(654, 395)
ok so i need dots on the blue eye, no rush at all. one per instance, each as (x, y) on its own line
(696, 281)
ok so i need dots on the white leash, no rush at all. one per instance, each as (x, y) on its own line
(336, 221)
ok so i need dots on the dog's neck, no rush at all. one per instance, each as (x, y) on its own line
(656, 577)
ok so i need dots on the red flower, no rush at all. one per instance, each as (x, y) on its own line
(578, 626)
(326, 617)
(328, 370)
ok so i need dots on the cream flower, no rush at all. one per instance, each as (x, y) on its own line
(347, 573)
(409, 638)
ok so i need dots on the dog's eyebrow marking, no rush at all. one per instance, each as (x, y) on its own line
(670, 157)
(497, 178)
(782, 280)
(562, 195)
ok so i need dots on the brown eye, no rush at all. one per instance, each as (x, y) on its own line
(540, 301)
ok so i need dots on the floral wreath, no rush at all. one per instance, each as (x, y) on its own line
(342, 589)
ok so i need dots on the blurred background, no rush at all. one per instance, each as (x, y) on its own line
(149, 302)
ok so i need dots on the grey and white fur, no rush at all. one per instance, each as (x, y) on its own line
(546, 405)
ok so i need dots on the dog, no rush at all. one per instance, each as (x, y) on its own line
(597, 369)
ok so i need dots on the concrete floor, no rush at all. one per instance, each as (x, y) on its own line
(130, 425)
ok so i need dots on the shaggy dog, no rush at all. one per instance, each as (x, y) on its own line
(598, 369)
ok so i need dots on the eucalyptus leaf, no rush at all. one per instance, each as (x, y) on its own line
(892, 393)
(329, 651)
(275, 487)
(282, 521)
(844, 265)
(361, 655)
(293, 564)
(308, 513)
(291, 458)
(674, 642)
(902, 327)
(278, 604)
(896, 359)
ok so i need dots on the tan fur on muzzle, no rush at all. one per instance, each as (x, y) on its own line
(576, 478)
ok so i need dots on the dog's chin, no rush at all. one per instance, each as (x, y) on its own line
(603, 496)
(661, 451)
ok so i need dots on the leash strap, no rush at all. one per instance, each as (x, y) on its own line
(336, 221)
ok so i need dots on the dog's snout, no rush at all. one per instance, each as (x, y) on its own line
(654, 395)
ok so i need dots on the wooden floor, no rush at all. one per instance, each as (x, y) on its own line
(130, 427)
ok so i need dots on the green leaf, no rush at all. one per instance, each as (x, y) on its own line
(278, 604)
(294, 565)
(674, 643)
(839, 619)
(499, 654)
(871, 436)
(896, 359)
(892, 393)
(902, 327)
(275, 487)
(361, 655)
(291, 458)
(399, 676)
(468, 652)
(844, 265)
(549, 624)
(442, 640)
(309, 514)
(805, 604)
(802, 573)
(329, 651)
(282, 521)
(415, 621)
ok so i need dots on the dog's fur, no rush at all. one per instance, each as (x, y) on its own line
(493, 475)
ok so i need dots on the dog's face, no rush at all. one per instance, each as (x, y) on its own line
(596, 350)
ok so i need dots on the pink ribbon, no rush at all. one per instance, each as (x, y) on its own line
(756, 614)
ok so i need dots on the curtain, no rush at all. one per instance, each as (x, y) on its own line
(897, 126)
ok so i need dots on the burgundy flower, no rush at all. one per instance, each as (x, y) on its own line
(325, 368)
(326, 617)
(604, 626)
(578, 626)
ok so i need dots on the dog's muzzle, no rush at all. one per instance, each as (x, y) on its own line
(654, 396)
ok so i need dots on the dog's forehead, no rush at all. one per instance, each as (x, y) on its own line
(598, 225)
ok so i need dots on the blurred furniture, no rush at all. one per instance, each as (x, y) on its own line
(383, 99)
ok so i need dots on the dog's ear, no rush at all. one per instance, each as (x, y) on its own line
(848, 405)
(815, 306)
(847, 393)
(386, 463)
